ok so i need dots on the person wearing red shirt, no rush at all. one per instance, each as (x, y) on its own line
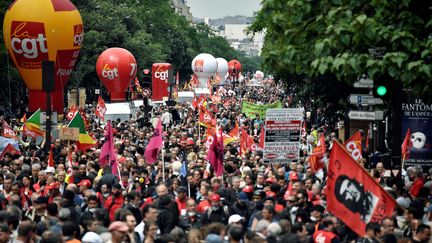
(326, 234)
(115, 201)
(181, 200)
(414, 174)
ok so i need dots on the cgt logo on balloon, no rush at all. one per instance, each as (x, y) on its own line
(29, 44)
(78, 35)
(109, 73)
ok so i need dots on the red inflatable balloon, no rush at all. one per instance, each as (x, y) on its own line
(116, 67)
(234, 65)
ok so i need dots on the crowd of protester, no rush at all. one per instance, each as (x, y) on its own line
(252, 202)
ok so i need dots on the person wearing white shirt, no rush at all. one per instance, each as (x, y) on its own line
(150, 212)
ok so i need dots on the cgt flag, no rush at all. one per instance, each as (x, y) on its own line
(354, 146)
(101, 109)
(352, 194)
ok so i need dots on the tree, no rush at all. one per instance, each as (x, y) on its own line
(347, 38)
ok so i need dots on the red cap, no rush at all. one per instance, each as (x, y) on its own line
(248, 189)
(271, 194)
(215, 197)
(85, 182)
(269, 180)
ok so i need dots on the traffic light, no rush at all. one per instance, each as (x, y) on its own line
(381, 89)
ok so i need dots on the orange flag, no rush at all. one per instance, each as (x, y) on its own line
(317, 156)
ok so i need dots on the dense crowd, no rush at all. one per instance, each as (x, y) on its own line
(252, 201)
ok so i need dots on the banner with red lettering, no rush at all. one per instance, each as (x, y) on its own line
(354, 147)
(8, 132)
(101, 109)
(352, 194)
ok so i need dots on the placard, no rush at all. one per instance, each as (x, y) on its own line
(282, 135)
(69, 133)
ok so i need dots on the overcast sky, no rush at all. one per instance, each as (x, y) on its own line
(221, 8)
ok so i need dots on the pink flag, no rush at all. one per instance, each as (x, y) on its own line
(108, 156)
(216, 153)
(154, 146)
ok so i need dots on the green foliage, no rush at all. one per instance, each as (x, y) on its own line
(334, 38)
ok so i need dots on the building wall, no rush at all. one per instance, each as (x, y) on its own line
(182, 9)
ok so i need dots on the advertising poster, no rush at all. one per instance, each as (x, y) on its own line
(282, 135)
(417, 116)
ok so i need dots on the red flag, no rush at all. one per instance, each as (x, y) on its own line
(261, 140)
(100, 108)
(210, 132)
(51, 159)
(317, 156)
(9, 149)
(235, 132)
(108, 156)
(246, 142)
(352, 194)
(406, 145)
(206, 118)
(71, 113)
(155, 144)
(8, 131)
(216, 99)
(353, 146)
(216, 153)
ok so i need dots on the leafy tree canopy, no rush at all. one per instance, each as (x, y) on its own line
(344, 39)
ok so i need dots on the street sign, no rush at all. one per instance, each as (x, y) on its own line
(366, 115)
(146, 92)
(69, 133)
(364, 83)
(364, 99)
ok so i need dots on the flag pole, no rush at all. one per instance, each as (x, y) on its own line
(163, 159)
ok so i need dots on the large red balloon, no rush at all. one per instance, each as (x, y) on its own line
(234, 68)
(116, 67)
